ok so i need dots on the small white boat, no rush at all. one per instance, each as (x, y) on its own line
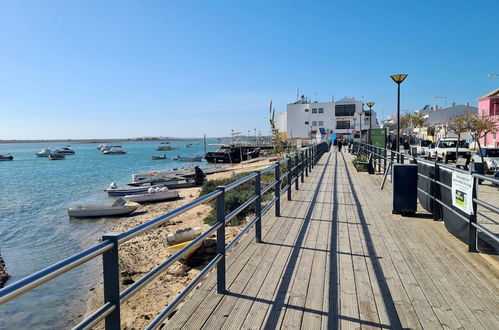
(101, 146)
(163, 156)
(153, 196)
(113, 190)
(195, 158)
(119, 207)
(44, 153)
(113, 150)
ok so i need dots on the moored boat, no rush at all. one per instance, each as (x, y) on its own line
(195, 158)
(165, 148)
(44, 153)
(9, 157)
(119, 207)
(113, 190)
(56, 156)
(65, 150)
(113, 150)
(163, 156)
(153, 196)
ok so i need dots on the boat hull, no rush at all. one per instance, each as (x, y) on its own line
(152, 198)
(92, 211)
(131, 191)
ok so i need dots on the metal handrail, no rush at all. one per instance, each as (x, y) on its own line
(32, 281)
(111, 242)
(395, 156)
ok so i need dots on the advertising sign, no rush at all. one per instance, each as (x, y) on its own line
(462, 192)
(378, 137)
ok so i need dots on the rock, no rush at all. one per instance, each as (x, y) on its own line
(4, 276)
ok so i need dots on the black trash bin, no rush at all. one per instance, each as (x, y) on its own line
(405, 189)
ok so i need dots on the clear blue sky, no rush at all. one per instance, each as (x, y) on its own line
(81, 69)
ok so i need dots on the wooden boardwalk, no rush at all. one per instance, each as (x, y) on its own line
(338, 258)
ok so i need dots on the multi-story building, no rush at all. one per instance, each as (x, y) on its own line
(306, 119)
(488, 105)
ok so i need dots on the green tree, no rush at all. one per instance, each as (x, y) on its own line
(276, 141)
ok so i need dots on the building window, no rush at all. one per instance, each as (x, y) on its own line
(306, 123)
(321, 110)
(306, 110)
(314, 110)
(321, 123)
(314, 123)
(344, 110)
(343, 124)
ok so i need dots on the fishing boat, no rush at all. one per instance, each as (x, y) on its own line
(165, 142)
(44, 153)
(113, 190)
(162, 176)
(55, 156)
(65, 150)
(101, 146)
(113, 150)
(9, 157)
(119, 207)
(163, 156)
(153, 195)
(165, 148)
(195, 158)
(233, 155)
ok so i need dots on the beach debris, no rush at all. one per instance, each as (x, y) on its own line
(183, 235)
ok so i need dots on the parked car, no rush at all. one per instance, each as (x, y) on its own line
(490, 158)
(446, 149)
(432, 152)
(423, 147)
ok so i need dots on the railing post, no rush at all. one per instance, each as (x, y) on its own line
(302, 167)
(310, 160)
(297, 172)
(305, 165)
(472, 232)
(312, 150)
(401, 158)
(385, 155)
(258, 208)
(436, 193)
(290, 176)
(111, 270)
(220, 203)
(277, 175)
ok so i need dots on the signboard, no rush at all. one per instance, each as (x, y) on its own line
(378, 137)
(462, 191)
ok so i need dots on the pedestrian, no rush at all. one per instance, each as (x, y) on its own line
(407, 147)
(340, 144)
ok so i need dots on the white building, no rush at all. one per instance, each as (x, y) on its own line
(306, 119)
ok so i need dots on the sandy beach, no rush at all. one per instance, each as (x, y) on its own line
(143, 253)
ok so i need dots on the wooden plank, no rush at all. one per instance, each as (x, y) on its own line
(260, 310)
(296, 297)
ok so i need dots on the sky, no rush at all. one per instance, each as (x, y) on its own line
(113, 69)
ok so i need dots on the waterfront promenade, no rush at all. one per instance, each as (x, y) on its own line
(338, 258)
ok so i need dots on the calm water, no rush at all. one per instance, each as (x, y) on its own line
(35, 230)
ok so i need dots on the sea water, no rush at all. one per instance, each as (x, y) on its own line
(35, 230)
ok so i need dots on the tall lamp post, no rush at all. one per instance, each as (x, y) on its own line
(370, 105)
(360, 113)
(398, 79)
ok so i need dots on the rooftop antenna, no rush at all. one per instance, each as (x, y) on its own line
(297, 93)
(332, 99)
(315, 96)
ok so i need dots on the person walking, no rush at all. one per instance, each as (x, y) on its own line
(407, 147)
(340, 144)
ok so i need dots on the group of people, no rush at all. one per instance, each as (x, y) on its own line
(339, 143)
(405, 146)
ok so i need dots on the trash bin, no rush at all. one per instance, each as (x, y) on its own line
(405, 188)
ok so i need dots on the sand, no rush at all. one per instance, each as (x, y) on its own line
(143, 253)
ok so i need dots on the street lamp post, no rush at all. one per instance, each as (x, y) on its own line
(398, 79)
(360, 113)
(370, 105)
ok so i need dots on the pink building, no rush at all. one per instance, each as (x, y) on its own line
(488, 105)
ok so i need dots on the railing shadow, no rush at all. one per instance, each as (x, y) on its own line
(378, 271)
(279, 303)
